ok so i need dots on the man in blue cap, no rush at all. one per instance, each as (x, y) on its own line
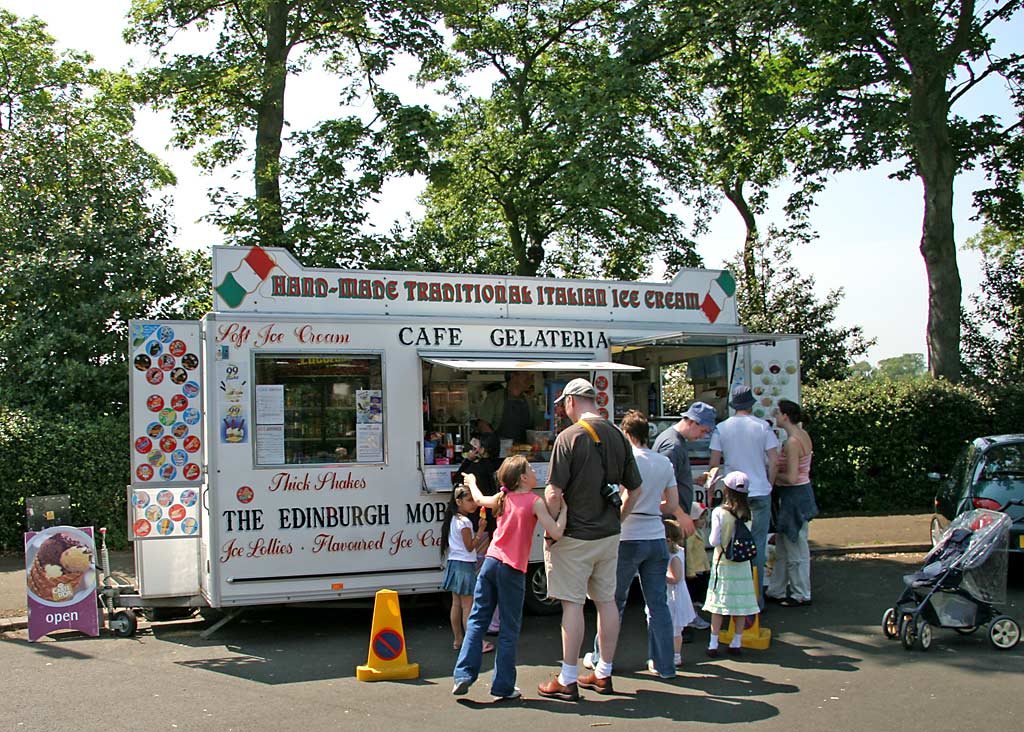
(695, 423)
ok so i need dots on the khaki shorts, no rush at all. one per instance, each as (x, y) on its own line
(578, 569)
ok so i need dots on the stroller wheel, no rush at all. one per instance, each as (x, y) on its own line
(924, 634)
(908, 632)
(890, 624)
(966, 631)
(1004, 632)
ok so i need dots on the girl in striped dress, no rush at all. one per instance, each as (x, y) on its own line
(731, 586)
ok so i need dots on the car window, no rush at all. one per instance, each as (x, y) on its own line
(1004, 460)
(963, 470)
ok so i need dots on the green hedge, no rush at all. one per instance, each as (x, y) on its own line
(875, 441)
(83, 455)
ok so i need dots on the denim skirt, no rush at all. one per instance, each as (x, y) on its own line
(459, 577)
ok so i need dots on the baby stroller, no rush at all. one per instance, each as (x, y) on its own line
(962, 580)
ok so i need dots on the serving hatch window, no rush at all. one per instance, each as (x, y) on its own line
(319, 408)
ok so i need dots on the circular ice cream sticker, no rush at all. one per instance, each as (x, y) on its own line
(189, 526)
(190, 471)
(144, 472)
(155, 458)
(177, 348)
(165, 334)
(602, 398)
(168, 416)
(179, 430)
(154, 376)
(143, 445)
(601, 383)
(165, 498)
(179, 376)
(164, 527)
(189, 496)
(140, 499)
(603, 412)
(191, 443)
(142, 362)
(153, 348)
(154, 430)
(191, 415)
(154, 402)
(153, 512)
(191, 389)
(190, 361)
(179, 457)
(165, 362)
(168, 443)
(176, 512)
(142, 527)
(168, 471)
(244, 494)
(179, 402)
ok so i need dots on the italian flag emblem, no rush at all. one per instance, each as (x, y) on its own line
(720, 290)
(242, 281)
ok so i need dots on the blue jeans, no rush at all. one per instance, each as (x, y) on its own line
(648, 558)
(497, 585)
(760, 518)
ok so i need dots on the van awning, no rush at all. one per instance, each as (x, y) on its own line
(502, 364)
(689, 338)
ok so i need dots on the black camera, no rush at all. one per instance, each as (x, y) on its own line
(610, 492)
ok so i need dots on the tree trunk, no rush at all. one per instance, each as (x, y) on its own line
(936, 166)
(750, 277)
(269, 127)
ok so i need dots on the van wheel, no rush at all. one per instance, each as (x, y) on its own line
(124, 623)
(536, 601)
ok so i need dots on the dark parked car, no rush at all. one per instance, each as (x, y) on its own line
(989, 473)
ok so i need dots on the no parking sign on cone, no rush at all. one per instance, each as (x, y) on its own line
(387, 659)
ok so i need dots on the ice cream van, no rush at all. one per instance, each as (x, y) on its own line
(298, 443)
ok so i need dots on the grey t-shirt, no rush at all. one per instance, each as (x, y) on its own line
(672, 445)
(576, 468)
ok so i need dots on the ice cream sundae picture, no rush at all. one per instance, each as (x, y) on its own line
(61, 564)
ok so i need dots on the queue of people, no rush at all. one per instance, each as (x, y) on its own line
(611, 511)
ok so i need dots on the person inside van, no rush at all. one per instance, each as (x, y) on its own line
(507, 411)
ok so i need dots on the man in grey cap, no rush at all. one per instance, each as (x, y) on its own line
(585, 458)
(695, 423)
(749, 444)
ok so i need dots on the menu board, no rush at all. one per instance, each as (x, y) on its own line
(164, 513)
(166, 402)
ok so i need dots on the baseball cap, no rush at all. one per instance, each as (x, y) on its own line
(737, 481)
(577, 387)
(701, 413)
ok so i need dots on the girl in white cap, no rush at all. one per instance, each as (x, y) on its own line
(731, 587)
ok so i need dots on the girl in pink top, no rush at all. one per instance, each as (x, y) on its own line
(501, 582)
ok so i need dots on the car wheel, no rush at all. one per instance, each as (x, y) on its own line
(924, 634)
(890, 624)
(1004, 632)
(908, 632)
(536, 600)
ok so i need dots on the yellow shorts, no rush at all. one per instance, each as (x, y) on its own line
(578, 569)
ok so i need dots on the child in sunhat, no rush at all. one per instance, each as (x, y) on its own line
(731, 586)
(698, 568)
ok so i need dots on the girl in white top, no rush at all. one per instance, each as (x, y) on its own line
(679, 603)
(460, 544)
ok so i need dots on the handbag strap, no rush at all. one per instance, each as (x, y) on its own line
(600, 448)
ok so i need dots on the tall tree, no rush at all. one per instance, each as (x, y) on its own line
(556, 164)
(898, 71)
(231, 99)
(84, 243)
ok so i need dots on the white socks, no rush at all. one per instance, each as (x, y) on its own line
(603, 670)
(737, 640)
(713, 642)
(568, 674)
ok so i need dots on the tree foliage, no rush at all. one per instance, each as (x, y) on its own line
(993, 326)
(84, 244)
(827, 350)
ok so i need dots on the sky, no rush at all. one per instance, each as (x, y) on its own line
(868, 225)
